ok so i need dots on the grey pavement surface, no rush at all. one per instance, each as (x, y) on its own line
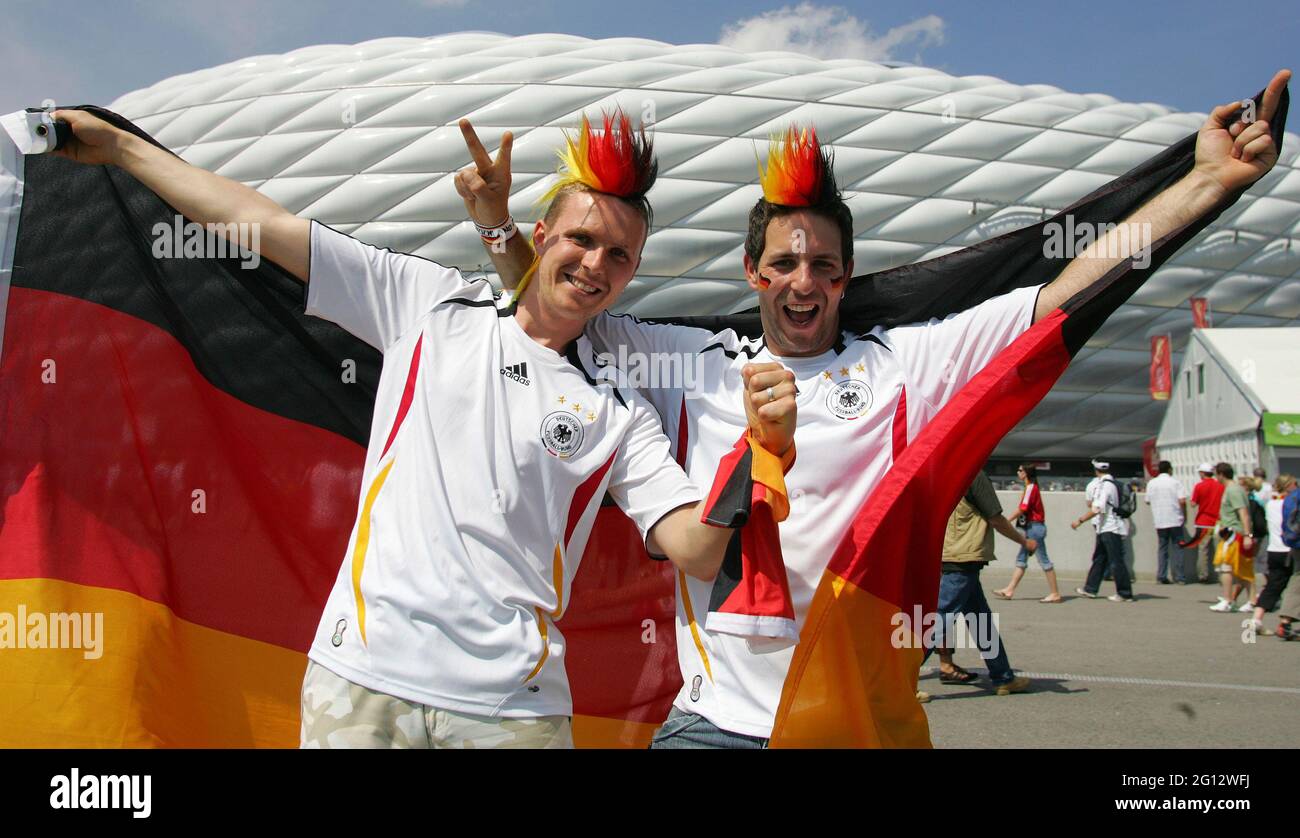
(1088, 660)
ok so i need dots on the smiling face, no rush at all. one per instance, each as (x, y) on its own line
(590, 247)
(800, 278)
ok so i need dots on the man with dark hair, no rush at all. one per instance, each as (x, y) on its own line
(1168, 501)
(967, 550)
(1234, 555)
(1111, 529)
(863, 397)
(1207, 495)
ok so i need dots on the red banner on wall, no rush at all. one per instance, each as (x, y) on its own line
(1201, 312)
(1150, 457)
(1161, 374)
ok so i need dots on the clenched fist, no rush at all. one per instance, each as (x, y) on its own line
(770, 405)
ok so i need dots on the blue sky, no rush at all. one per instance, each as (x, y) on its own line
(1188, 55)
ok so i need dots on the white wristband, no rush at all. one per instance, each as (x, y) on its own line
(499, 233)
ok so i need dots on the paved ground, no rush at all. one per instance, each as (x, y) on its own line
(1162, 672)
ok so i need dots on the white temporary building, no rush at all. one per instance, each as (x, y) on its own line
(1236, 399)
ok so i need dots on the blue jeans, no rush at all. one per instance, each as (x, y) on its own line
(1038, 532)
(682, 731)
(1169, 556)
(960, 593)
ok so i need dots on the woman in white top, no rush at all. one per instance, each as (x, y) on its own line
(1279, 555)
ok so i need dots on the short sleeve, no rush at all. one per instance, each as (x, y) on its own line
(983, 497)
(1027, 499)
(372, 292)
(644, 481)
(1107, 495)
(940, 356)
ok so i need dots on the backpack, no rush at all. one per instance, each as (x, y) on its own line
(1291, 526)
(1128, 503)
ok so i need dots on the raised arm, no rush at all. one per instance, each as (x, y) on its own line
(484, 185)
(1229, 156)
(199, 195)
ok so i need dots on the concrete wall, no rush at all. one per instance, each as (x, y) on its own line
(1071, 550)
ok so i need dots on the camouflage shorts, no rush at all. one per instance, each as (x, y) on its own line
(337, 713)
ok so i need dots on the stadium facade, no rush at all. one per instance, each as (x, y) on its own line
(364, 138)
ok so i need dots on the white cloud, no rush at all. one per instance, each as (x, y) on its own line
(829, 32)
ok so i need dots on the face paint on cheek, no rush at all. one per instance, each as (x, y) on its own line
(764, 282)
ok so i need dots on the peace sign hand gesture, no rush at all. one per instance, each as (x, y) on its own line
(485, 184)
(1239, 153)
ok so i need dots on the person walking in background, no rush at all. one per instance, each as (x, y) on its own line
(1207, 495)
(967, 548)
(1111, 528)
(1090, 495)
(1280, 564)
(1168, 501)
(1234, 555)
(1033, 520)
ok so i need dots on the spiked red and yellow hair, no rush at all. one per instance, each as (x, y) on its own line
(796, 169)
(617, 161)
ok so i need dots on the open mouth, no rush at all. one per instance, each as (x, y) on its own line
(800, 314)
(589, 290)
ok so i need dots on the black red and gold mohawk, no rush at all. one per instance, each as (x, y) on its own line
(799, 171)
(617, 161)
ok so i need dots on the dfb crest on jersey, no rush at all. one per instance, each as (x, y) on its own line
(562, 434)
(849, 399)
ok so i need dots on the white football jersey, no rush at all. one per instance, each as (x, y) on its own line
(488, 459)
(859, 404)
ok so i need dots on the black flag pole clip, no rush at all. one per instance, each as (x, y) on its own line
(34, 131)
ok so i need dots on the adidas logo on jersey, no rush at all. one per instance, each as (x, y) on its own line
(517, 372)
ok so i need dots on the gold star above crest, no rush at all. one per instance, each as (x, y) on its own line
(827, 375)
(591, 417)
(577, 408)
(561, 400)
(844, 371)
(860, 368)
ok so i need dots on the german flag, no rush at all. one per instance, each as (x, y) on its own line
(181, 461)
(751, 595)
(183, 448)
(850, 684)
